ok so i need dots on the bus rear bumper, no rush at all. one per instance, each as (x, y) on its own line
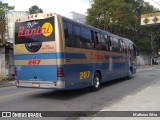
(41, 84)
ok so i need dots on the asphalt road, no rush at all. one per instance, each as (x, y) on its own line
(22, 99)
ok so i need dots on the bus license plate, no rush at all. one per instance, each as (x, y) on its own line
(35, 85)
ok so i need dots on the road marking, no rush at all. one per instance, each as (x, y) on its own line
(20, 93)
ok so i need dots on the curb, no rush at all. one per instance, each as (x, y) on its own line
(147, 66)
(7, 83)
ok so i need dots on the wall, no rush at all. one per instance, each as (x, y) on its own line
(144, 59)
(2, 64)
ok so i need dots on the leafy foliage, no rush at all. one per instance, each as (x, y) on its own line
(4, 7)
(35, 9)
(122, 17)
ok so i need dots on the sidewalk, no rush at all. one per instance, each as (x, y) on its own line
(7, 83)
(147, 66)
(148, 99)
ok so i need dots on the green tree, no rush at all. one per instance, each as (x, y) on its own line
(143, 33)
(35, 9)
(112, 15)
(4, 7)
(122, 17)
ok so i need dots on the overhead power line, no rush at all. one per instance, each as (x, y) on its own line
(156, 2)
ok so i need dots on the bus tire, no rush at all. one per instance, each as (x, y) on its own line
(96, 82)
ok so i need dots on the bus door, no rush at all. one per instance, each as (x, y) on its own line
(34, 50)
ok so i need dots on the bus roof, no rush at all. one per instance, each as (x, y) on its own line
(35, 16)
(50, 14)
(97, 29)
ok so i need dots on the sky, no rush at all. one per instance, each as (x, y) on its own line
(62, 7)
(155, 3)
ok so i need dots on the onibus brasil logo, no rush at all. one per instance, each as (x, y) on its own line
(46, 29)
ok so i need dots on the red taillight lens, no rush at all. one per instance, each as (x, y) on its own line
(55, 83)
(60, 72)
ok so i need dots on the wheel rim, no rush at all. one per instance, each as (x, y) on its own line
(96, 82)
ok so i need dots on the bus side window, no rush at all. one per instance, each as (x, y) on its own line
(129, 48)
(86, 38)
(77, 36)
(109, 39)
(123, 45)
(70, 35)
(115, 44)
(96, 42)
(65, 32)
(103, 43)
(92, 35)
(120, 45)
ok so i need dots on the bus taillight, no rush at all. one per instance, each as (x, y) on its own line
(55, 83)
(60, 73)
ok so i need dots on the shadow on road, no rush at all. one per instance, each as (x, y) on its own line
(70, 94)
(116, 81)
(62, 95)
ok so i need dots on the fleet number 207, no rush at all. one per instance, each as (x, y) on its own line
(34, 62)
(85, 75)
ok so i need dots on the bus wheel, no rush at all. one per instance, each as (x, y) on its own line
(96, 82)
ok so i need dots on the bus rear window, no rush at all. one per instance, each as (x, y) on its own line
(41, 30)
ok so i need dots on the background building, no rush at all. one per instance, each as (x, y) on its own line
(76, 17)
(11, 17)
